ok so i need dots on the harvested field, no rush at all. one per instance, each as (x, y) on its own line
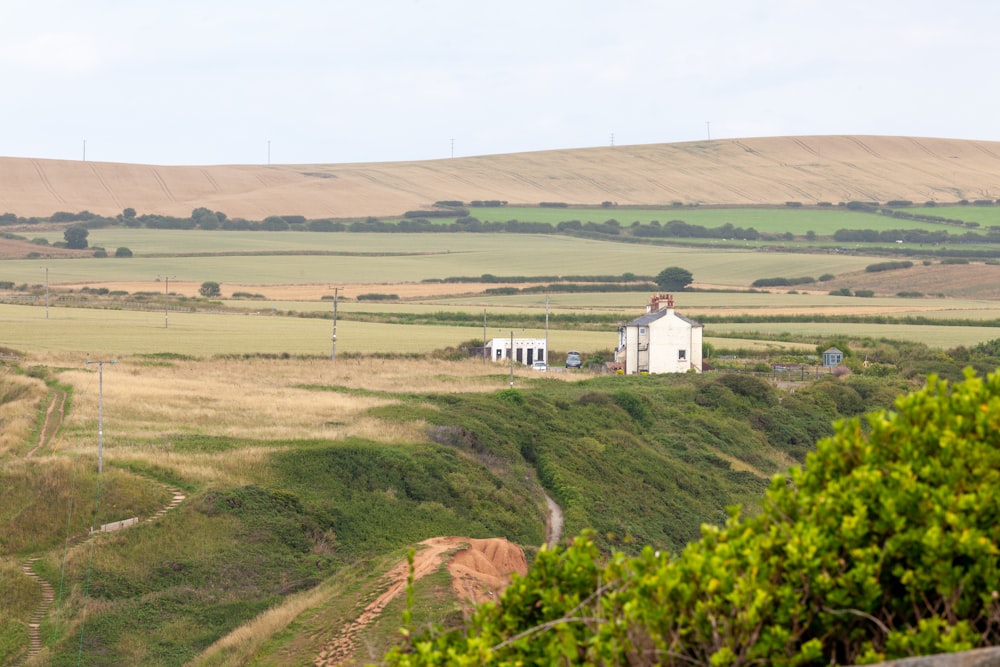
(770, 170)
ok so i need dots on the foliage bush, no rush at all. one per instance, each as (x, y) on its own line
(885, 544)
(210, 288)
(888, 266)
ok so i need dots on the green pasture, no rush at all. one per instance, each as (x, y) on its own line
(798, 221)
(943, 337)
(382, 258)
(695, 303)
(986, 216)
(113, 333)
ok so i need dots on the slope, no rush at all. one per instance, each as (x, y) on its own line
(730, 171)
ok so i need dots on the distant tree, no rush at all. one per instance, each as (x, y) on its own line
(76, 237)
(210, 288)
(123, 252)
(128, 213)
(274, 223)
(673, 279)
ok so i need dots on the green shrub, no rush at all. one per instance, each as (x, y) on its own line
(888, 266)
(885, 545)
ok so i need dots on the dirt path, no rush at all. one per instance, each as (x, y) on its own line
(478, 572)
(48, 595)
(554, 522)
(53, 420)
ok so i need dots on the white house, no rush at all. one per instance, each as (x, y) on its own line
(661, 341)
(526, 350)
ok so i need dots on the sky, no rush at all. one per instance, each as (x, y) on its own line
(197, 82)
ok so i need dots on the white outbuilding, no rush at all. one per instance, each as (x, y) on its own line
(525, 350)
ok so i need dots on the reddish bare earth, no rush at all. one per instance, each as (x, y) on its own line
(770, 170)
(478, 572)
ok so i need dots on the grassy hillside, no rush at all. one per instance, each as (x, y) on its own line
(640, 460)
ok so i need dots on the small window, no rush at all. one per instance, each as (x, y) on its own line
(682, 355)
(642, 331)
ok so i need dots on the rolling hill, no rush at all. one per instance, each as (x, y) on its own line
(729, 171)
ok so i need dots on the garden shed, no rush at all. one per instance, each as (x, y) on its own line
(833, 357)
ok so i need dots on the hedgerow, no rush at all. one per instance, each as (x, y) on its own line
(884, 545)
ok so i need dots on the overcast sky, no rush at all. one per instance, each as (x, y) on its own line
(328, 81)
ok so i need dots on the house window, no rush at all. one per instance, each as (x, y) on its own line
(682, 355)
(642, 331)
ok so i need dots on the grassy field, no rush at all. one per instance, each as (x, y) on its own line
(389, 258)
(298, 469)
(986, 216)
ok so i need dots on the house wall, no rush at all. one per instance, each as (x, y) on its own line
(669, 335)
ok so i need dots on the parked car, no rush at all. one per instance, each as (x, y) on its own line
(573, 359)
(539, 366)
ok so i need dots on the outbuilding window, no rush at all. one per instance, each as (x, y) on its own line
(682, 355)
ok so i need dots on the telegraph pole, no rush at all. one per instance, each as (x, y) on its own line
(510, 357)
(100, 412)
(546, 360)
(166, 301)
(333, 349)
(46, 292)
(510, 353)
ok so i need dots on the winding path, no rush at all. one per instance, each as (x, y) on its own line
(53, 421)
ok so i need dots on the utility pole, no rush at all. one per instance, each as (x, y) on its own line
(510, 353)
(46, 292)
(510, 357)
(484, 335)
(333, 349)
(100, 412)
(708, 128)
(546, 359)
(166, 300)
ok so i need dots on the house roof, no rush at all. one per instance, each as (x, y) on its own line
(651, 317)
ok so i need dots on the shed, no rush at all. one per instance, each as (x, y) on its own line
(833, 357)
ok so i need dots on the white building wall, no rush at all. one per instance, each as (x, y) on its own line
(658, 351)
(670, 335)
(525, 350)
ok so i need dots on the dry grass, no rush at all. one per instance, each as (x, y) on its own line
(254, 399)
(21, 398)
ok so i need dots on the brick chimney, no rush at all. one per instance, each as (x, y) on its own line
(660, 301)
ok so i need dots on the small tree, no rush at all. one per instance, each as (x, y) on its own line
(209, 289)
(76, 237)
(674, 279)
(123, 252)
